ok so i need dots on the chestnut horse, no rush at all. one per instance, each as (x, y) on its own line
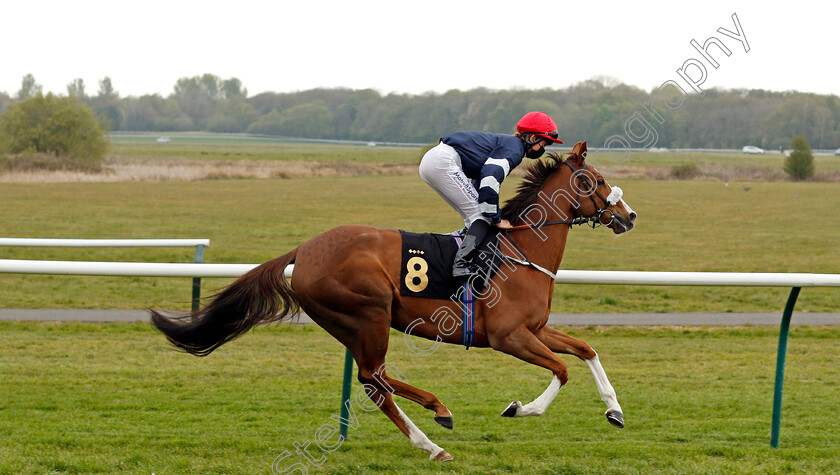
(348, 281)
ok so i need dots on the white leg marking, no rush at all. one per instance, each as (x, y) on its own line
(418, 438)
(539, 405)
(604, 386)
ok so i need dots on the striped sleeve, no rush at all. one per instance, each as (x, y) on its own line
(493, 173)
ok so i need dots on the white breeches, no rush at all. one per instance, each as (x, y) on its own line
(441, 169)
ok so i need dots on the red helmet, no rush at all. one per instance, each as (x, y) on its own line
(538, 123)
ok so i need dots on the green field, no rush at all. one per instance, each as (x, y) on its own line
(113, 398)
(682, 226)
(235, 147)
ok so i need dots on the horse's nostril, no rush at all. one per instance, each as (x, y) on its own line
(632, 217)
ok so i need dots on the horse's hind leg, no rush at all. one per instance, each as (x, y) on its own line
(385, 401)
(559, 342)
(343, 282)
(365, 334)
(379, 386)
(424, 398)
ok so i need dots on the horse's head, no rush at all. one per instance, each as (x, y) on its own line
(568, 191)
(595, 197)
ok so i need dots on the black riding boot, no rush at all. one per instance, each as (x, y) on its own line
(463, 258)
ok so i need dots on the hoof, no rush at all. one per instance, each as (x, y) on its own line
(511, 409)
(616, 418)
(442, 456)
(445, 421)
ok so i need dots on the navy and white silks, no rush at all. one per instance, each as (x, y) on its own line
(467, 168)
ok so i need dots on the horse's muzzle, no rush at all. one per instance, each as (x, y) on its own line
(622, 223)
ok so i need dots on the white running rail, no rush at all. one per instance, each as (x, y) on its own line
(37, 242)
(715, 279)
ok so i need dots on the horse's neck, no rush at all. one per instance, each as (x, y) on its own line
(545, 245)
(546, 252)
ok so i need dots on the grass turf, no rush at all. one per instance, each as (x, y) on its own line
(113, 398)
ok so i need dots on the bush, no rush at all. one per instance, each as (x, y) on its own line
(685, 171)
(54, 126)
(32, 162)
(800, 164)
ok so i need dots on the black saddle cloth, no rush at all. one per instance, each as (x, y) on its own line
(427, 260)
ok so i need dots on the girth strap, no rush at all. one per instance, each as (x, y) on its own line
(467, 307)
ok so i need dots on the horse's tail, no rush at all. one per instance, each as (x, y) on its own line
(260, 296)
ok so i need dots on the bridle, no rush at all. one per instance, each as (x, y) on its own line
(592, 221)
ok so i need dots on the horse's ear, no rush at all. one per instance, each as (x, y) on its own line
(579, 153)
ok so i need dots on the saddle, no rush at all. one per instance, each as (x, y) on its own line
(427, 260)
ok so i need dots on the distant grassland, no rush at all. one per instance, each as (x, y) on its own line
(234, 147)
(114, 398)
(205, 156)
(682, 226)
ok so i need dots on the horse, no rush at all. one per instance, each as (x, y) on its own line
(347, 280)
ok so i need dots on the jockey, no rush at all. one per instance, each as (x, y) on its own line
(486, 159)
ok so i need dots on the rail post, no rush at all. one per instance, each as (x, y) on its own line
(196, 288)
(784, 329)
(345, 393)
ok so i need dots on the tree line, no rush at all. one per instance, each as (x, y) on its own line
(592, 110)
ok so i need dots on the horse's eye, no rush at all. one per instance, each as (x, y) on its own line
(601, 182)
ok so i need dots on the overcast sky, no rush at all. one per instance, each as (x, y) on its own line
(414, 47)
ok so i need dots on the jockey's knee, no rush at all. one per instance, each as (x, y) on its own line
(476, 216)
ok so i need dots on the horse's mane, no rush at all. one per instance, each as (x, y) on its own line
(528, 191)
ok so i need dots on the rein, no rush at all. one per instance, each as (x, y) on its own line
(579, 221)
(527, 262)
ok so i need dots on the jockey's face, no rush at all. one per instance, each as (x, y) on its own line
(543, 143)
(536, 150)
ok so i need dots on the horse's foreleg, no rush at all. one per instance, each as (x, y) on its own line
(522, 344)
(538, 406)
(561, 343)
(614, 413)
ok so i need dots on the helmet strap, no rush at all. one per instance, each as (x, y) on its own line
(532, 142)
